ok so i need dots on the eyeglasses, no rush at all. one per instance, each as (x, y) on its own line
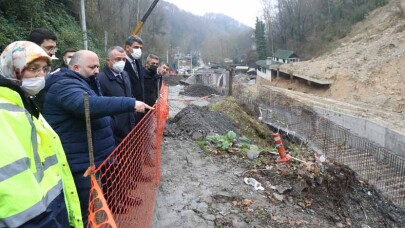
(38, 69)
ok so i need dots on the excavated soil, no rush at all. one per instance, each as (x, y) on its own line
(195, 122)
(199, 90)
(172, 80)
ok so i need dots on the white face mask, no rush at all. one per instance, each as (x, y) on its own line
(33, 85)
(137, 53)
(67, 61)
(118, 66)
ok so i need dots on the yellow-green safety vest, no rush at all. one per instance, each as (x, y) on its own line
(33, 166)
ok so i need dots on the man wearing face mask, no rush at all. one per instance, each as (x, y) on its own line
(64, 110)
(151, 79)
(162, 70)
(67, 56)
(114, 82)
(133, 66)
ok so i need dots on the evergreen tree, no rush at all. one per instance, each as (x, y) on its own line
(260, 39)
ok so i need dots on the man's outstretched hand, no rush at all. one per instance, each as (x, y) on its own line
(141, 106)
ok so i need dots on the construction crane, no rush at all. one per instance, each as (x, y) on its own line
(142, 21)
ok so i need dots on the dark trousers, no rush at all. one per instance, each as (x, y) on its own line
(83, 186)
(54, 216)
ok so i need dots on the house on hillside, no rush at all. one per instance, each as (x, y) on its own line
(241, 69)
(279, 57)
(263, 68)
(284, 56)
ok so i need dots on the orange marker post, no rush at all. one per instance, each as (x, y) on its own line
(281, 150)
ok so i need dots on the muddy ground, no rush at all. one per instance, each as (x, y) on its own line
(201, 188)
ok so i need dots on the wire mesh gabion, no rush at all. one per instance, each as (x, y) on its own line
(373, 163)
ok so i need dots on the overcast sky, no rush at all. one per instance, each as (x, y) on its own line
(244, 11)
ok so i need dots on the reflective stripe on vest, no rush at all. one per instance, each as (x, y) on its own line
(15, 220)
(14, 108)
(14, 168)
(50, 161)
(20, 165)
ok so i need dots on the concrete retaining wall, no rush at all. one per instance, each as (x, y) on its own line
(377, 133)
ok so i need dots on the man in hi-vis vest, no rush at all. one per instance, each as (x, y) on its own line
(36, 184)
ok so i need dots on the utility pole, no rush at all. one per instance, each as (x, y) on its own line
(83, 19)
(138, 12)
(191, 62)
(105, 40)
(230, 81)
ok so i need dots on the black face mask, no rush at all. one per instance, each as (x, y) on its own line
(153, 69)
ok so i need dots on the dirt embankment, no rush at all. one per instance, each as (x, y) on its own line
(173, 80)
(199, 90)
(194, 122)
(368, 66)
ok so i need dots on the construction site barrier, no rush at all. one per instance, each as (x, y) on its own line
(124, 186)
(280, 148)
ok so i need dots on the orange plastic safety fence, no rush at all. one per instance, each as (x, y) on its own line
(129, 177)
(98, 208)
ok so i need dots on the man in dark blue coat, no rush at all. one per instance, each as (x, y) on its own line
(115, 82)
(64, 110)
(133, 66)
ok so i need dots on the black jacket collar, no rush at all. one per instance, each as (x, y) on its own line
(109, 73)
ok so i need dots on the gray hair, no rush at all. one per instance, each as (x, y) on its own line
(130, 40)
(111, 49)
(151, 56)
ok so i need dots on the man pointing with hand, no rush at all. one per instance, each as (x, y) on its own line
(64, 110)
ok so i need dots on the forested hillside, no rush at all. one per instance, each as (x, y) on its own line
(168, 30)
(215, 36)
(307, 26)
(19, 17)
(310, 26)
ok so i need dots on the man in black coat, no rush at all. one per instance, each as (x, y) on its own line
(133, 66)
(115, 82)
(162, 70)
(151, 79)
